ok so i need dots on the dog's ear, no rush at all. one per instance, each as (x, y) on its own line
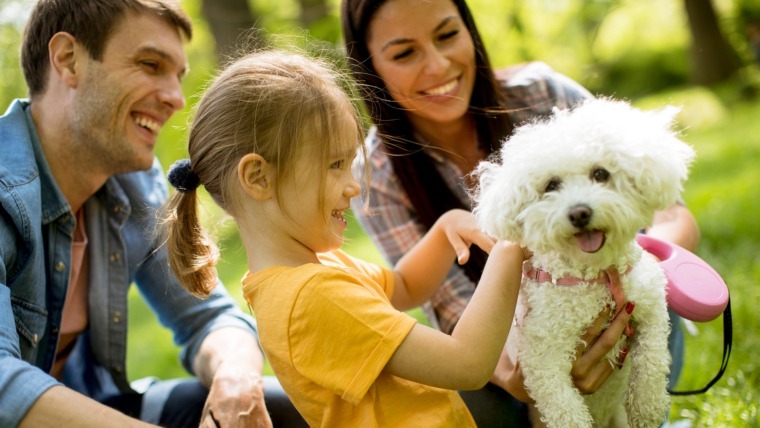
(664, 166)
(495, 207)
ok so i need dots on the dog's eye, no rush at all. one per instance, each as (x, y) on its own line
(600, 175)
(552, 185)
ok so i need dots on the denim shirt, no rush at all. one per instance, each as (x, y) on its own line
(36, 232)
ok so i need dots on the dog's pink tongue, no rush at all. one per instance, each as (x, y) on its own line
(590, 241)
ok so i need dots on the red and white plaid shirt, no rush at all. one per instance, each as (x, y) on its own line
(532, 90)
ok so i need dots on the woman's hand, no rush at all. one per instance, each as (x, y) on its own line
(590, 369)
(461, 230)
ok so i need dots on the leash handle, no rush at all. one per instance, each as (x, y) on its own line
(727, 342)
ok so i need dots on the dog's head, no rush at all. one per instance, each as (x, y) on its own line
(583, 182)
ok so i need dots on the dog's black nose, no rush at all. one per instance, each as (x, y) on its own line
(580, 215)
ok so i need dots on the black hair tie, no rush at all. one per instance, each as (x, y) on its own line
(182, 176)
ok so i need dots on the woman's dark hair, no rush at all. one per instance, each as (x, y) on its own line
(427, 190)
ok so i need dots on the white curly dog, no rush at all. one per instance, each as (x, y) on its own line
(575, 189)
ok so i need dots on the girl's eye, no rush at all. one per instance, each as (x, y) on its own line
(600, 175)
(553, 185)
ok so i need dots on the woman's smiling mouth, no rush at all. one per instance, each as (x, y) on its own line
(443, 89)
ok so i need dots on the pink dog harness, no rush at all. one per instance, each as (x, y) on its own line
(610, 278)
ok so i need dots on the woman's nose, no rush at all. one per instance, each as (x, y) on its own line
(436, 62)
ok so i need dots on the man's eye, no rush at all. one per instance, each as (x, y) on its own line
(152, 65)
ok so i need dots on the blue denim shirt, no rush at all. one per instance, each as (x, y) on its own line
(36, 232)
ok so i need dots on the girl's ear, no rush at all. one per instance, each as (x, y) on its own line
(255, 177)
(63, 50)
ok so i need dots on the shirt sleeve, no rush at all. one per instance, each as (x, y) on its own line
(393, 226)
(190, 319)
(21, 383)
(343, 333)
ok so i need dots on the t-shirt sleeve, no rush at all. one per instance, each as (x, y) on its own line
(343, 333)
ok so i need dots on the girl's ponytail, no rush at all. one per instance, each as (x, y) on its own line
(192, 253)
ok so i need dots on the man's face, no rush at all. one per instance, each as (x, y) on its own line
(125, 99)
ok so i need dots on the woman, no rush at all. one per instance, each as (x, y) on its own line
(439, 109)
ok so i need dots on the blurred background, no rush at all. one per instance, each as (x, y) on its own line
(701, 55)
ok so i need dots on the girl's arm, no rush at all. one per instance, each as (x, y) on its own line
(467, 358)
(424, 268)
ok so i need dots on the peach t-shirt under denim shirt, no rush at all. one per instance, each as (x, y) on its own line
(328, 331)
(75, 313)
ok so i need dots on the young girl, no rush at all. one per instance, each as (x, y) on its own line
(273, 141)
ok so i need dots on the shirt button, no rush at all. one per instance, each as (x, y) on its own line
(116, 369)
(115, 257)
(116, 317)
(117, 208)
(60, 266)
(35, 339)
(54, 330)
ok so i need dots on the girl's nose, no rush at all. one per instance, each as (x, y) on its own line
(352, 188)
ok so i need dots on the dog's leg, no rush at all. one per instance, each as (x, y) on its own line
(549, 338)
(646, 398)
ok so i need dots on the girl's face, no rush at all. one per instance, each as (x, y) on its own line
(425, 54)
(315, 213)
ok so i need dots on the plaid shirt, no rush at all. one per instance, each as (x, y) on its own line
(531, 90)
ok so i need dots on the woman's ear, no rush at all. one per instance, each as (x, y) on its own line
(255, 176)
(63, 50)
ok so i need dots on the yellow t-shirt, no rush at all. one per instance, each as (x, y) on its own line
(328, 330)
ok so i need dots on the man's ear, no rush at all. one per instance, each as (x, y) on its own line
(255, 176)
(63, 50)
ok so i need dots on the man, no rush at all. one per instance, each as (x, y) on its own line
(79, 190)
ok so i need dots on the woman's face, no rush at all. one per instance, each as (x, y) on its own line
(425, 54)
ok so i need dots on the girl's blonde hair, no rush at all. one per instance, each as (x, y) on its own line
(271, 103)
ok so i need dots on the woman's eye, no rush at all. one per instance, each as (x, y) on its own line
(553, 185)
(448, 35)
(600, 175)
(403, 54)
(337, 164)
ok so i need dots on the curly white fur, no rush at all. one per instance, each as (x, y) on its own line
(575, 189)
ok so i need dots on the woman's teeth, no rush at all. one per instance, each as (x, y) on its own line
(443, 89)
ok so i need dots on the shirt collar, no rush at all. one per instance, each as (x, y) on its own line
(54, 204)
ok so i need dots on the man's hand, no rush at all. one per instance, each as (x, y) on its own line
(235, 399)
(229, 363)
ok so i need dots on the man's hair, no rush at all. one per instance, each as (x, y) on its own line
(91, 22)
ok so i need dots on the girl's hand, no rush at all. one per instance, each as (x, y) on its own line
(461, 229)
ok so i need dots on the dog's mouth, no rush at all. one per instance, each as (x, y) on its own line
(590, 241)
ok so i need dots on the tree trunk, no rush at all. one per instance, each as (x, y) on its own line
(312, 11)
(713, 58)
(229, 20)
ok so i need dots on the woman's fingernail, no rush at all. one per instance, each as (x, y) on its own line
(629, 307)
(628, 330)
(623, 354)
